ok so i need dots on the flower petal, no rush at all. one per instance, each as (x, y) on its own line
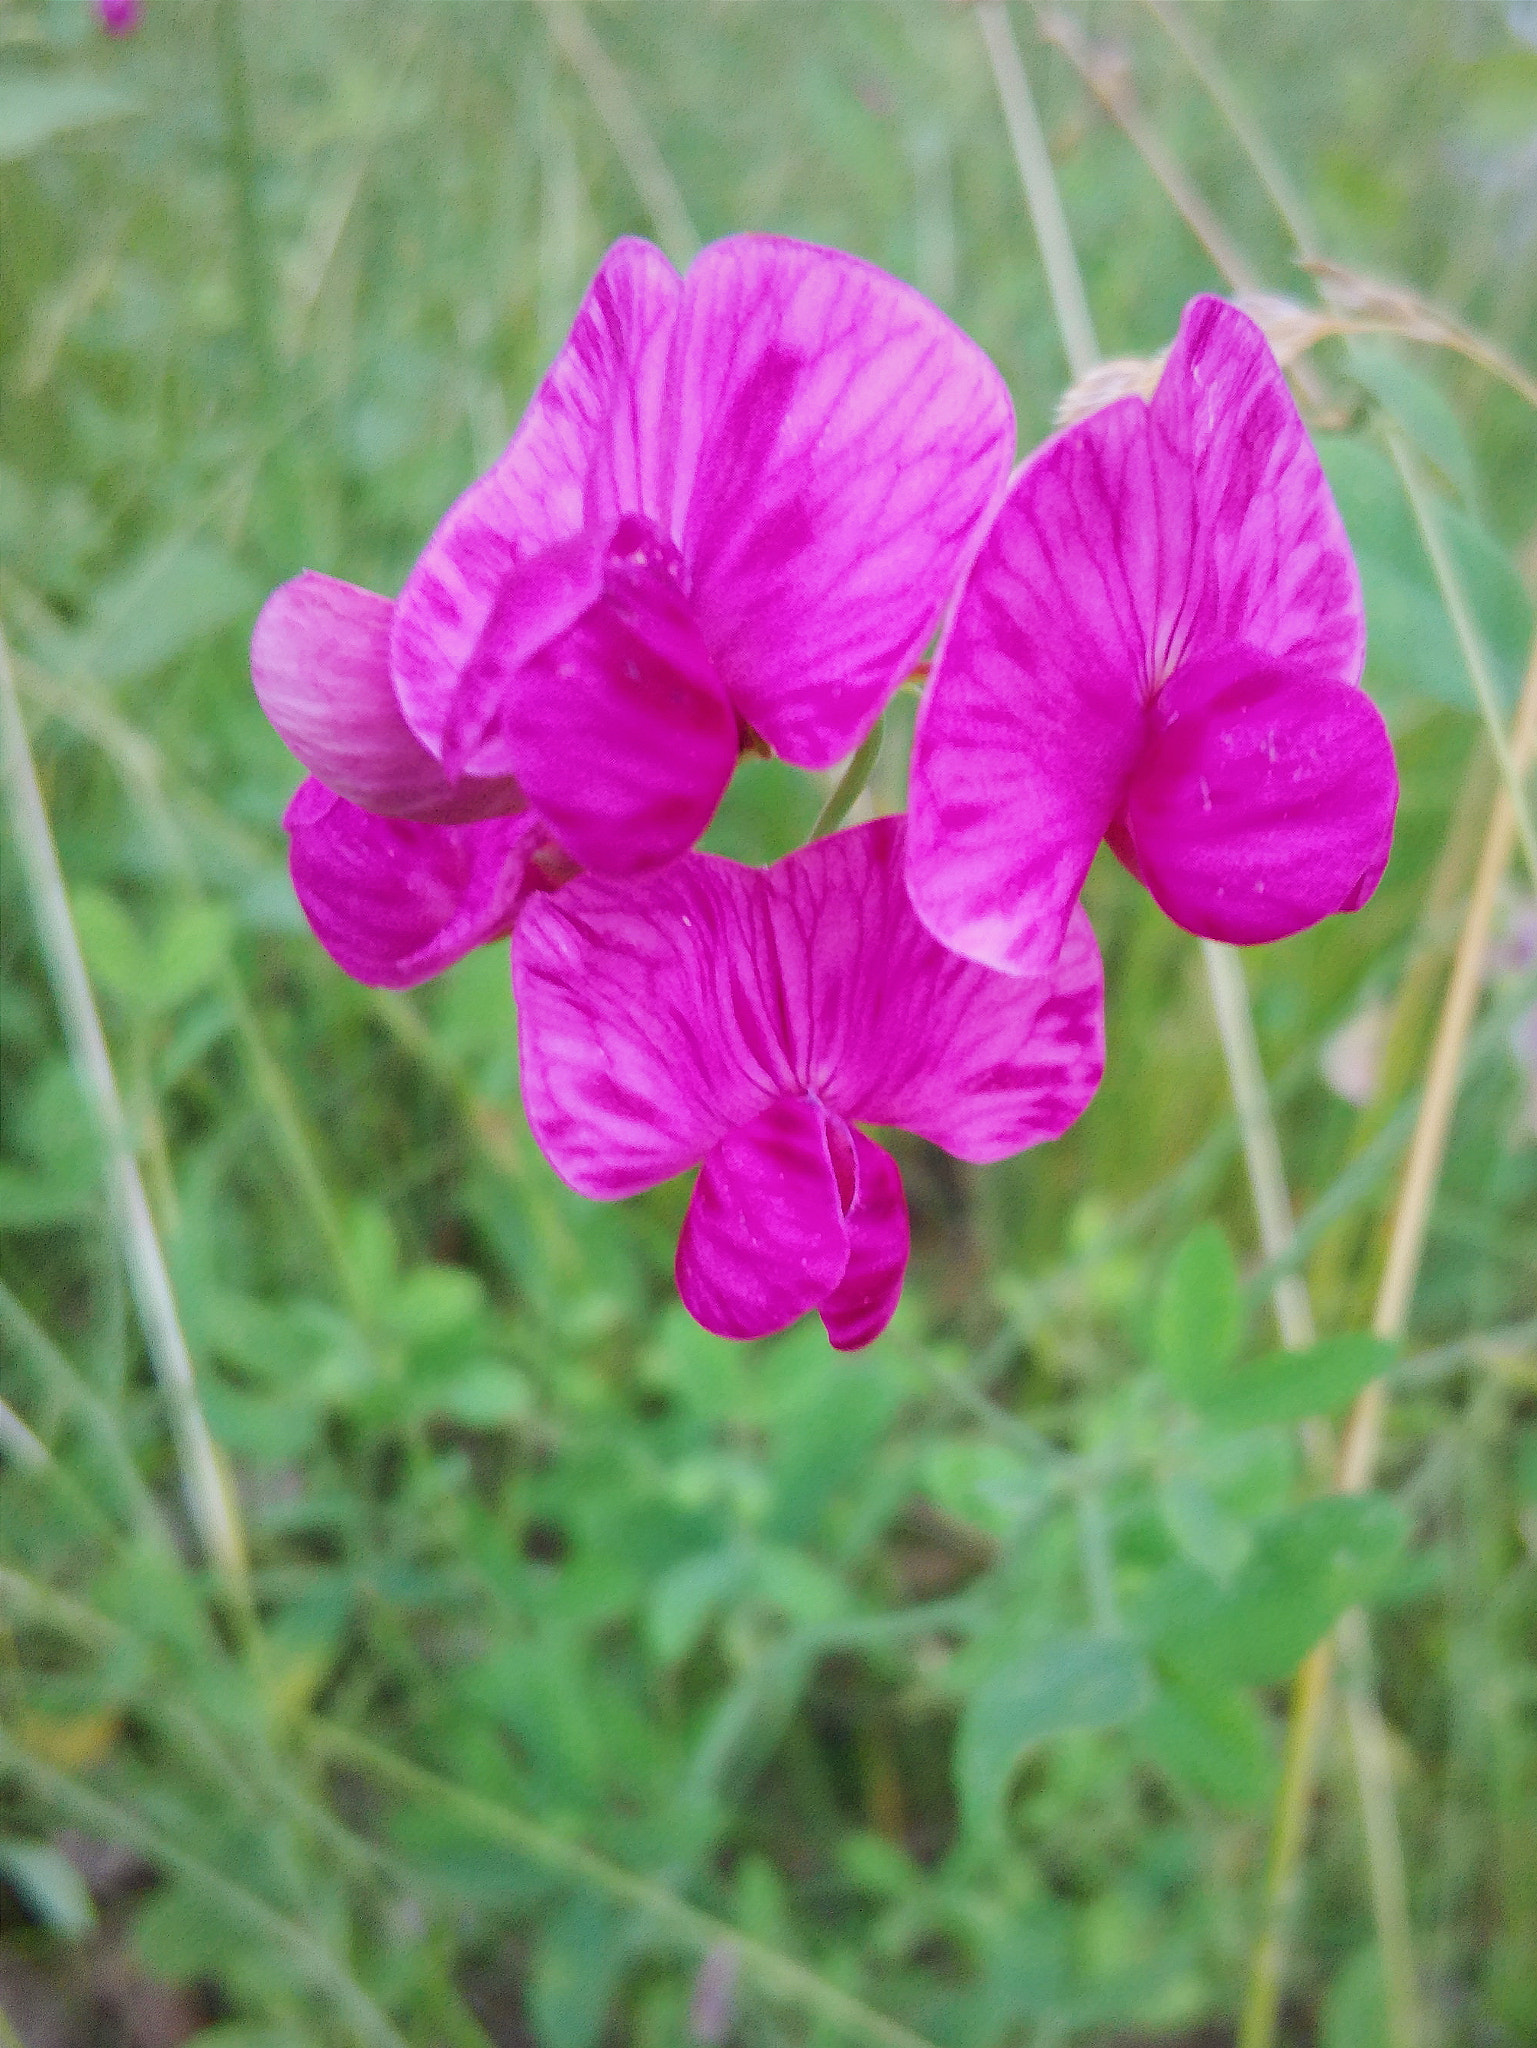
(1270, 562)
(659, 1013)
(320, 664)
(887, 1026)
(1028, 730)
(1140, 541)
(617, 728)
(764, 1239)
(1265, 801)
(865, 1299)
(638, 1051)
(592, 406)
(396, 900)
(835, 448)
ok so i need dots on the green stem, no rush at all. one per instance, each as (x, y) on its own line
(626, 128)
(1064, 279)
(210, 1499)
(104, 1818)
(1261, 1142)
(71, 1388)
(1268, 168)
(774, 1975)
(1469, 640)
(255, 278)
(18, 1442)
(851, 784)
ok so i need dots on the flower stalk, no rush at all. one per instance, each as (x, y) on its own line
(210, 1499)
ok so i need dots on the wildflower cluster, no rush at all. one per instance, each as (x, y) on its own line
(733, 517)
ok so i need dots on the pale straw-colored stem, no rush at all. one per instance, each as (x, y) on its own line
(1106, 77)
(209, 1499)
(1261, 1142)
(1268, 168)
(1422, 1169)
(1385, 1871)
(1027, 138)
(625, 126)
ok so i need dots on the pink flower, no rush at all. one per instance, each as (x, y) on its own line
(747, 1019)
(731, 515)
(118, 17)
(1159, 643)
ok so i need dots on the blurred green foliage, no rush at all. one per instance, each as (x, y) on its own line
(949, 1676)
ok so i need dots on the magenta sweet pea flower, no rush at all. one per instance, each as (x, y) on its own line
(118, 17)
(730, 517)
(1159, 643)
(747, 1020)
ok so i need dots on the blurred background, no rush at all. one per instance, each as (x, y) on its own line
(587, 1680)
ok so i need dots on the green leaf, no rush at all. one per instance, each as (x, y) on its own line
(488, 1395)
(432, 1302)
(1200, 1530)
(462, 1864)
(978, 1480)
(188, 954)
(686, 1599)
(182, 1934)
(1497, 596)
(1419, 409)
(174, 596)
(36, 108)
(1287, 1386)
(267, 1431)
(1076, 1683)
(1412, 654)
(113, 946)
(576, 1973)
(797, 1587)
(1213, 1740)
(1305, 1569)
(1355, 2013)
(1199, 1316)
(33, 1201)
(50, 1884)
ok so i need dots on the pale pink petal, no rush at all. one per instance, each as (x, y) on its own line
(887, 1026)
(1141, 541)
(834, 446)
(1270, 562)
(1264, 801)
(617, 729)
(865, 1299)
(590, 406)
(540, 600)
(764, 1238)
(731, 1015)
(320, 664)
(646, 1024)
(395, 900)
(1034, 716)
